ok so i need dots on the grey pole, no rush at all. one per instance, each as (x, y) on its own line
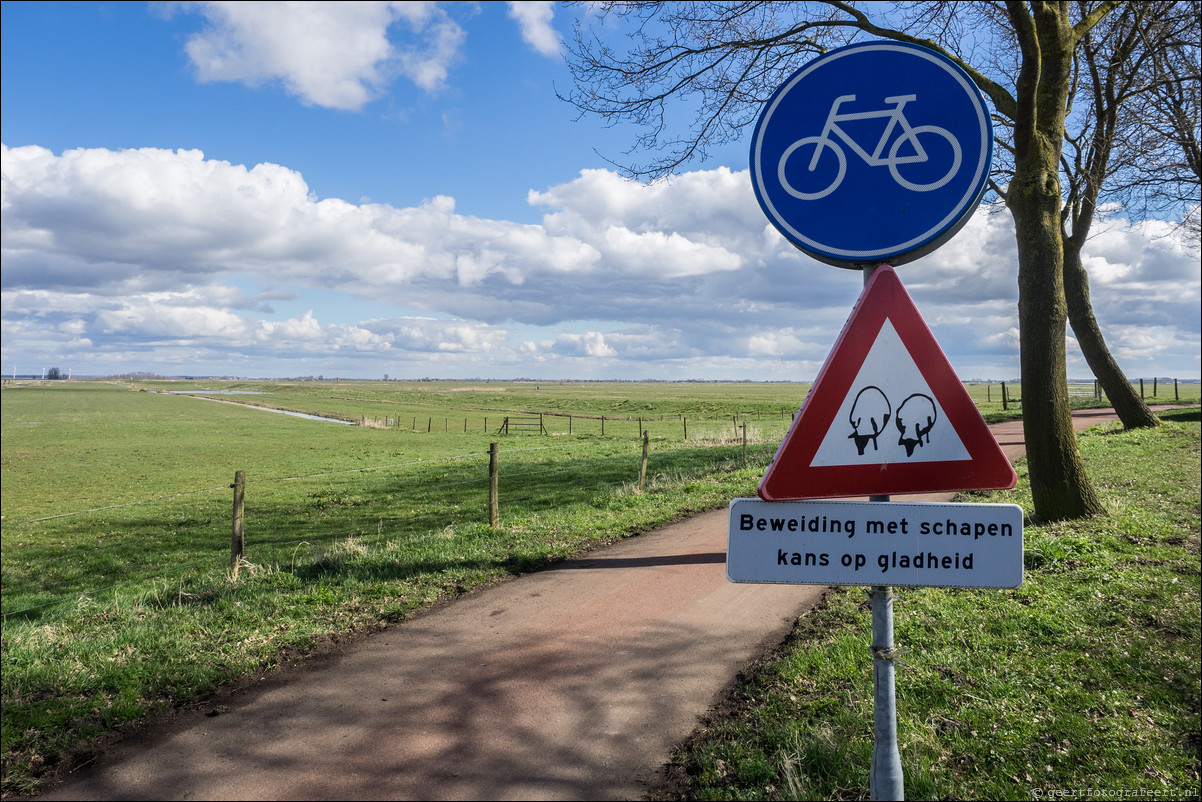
(885, 778)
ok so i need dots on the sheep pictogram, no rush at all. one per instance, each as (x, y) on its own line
(869, 414)
(915, 418)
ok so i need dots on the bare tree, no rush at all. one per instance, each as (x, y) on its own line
(1127, 74)
(1159, 171)
(724, 59)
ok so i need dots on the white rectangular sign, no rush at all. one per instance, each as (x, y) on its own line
(875, 543)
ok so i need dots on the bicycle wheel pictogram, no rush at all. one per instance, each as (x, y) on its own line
(812, 180)
(922, 156)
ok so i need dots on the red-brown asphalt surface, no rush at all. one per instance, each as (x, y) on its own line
(574, 682)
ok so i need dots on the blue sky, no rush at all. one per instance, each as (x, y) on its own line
(366, 189)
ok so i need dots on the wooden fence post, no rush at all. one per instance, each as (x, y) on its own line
(1176, 395)
(686, 429)
(744, 444)
(494, 514)
(1141, 388)
(236, 538)
(1005, 401)
(602, 425)
(643, 465)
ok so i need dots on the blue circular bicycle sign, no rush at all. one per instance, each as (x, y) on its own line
(875, 152)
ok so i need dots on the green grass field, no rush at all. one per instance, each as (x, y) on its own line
(117, 518)
(117, 600)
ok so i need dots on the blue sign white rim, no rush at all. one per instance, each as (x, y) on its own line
(916, 245)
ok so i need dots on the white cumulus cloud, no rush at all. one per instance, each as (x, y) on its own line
(534, 20)
(590, 343)
(110, 254)
(333, 54)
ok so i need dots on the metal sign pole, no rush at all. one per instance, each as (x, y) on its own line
(886, 781)
(885, 778)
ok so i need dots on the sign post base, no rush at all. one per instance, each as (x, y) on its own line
(886, 781)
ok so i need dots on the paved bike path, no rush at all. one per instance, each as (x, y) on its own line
(574, 682)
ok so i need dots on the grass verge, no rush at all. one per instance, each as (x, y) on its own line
(1083, 682)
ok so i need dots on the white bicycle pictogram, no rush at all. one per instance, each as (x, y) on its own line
(909, 134)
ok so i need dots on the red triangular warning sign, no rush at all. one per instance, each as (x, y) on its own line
(887, 414)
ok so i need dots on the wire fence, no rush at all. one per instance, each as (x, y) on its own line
(563, 461)
(1003, 395)
(68, 555)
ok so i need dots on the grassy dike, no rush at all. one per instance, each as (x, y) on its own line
(1083, 682)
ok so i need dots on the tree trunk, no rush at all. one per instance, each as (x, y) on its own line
(1131, 409)
(1060, 488)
